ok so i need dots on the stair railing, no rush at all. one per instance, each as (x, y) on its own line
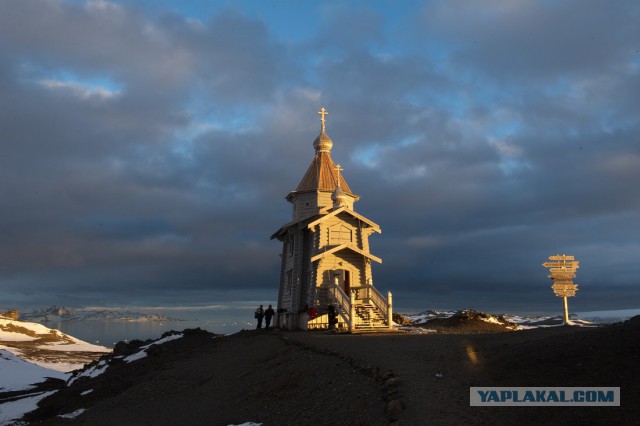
(382, 304)
(377, 299)
(342, 303)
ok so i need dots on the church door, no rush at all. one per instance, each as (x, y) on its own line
(344, 280)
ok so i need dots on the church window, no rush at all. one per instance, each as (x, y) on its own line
(340, 234)
(291, 243)
(289, 280)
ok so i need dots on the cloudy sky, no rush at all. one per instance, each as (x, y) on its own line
(146, 147)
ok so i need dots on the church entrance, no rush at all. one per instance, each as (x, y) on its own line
(344, 279)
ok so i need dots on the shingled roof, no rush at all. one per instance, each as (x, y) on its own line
(322, 175)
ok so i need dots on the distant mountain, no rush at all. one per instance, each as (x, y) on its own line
(522, 322)
(61, 313)
(423, 317)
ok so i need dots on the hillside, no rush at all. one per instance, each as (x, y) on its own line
(294, 378)
(34, 361)
(45, 346)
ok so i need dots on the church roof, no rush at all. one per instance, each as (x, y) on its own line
(346, 246)
(279, 234)
(322, 175)
(347, 210)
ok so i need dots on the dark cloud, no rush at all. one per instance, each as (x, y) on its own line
(146, 156)
(528, 40)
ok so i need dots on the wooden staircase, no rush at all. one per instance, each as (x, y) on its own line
(368, 317)
(363, 310)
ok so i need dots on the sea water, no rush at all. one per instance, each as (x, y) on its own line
(108, 333)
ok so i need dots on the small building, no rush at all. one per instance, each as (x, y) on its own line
(326, 260)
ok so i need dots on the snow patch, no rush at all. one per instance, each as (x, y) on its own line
(18, 374)
(425, 316)
(73, 414)
(136, 356)
(91, 372)
(492, 320)
(14, 410)
(143, 352)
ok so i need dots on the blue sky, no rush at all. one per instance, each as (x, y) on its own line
(147, 147)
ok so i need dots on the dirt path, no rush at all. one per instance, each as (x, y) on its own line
(436, 371)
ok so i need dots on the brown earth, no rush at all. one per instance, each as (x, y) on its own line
(34, 352)
(317, 378)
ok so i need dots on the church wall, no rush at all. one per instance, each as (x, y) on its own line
(298, 282)
(344, 220)
(288, 276)
(304, 250)
(281, 302)
(324, 201)
(344, 260)
(304, 205)
(366, 233)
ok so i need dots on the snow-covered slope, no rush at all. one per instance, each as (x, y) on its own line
(29, 354)
(43, 337)
(18, 374)
(46, 347)
(61, 313)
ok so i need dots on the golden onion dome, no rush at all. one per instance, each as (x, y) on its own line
(323, 143)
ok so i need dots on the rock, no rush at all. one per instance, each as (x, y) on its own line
(392, 382)
(633, 321)
(401, 319)
(126, 349)
(394, 408)
(390, 395)
(11, 314)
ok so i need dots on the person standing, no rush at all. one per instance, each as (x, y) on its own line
(268, 314)
(333, 317)
(259, 315)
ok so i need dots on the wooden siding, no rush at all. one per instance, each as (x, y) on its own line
(306, 204)
(311, 280)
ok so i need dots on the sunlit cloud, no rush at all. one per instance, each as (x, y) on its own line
(471, 131)
(80, 90)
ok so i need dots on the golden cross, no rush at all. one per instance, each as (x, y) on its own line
(322, 113)
(338, 169)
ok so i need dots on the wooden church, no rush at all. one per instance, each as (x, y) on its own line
(326, 261)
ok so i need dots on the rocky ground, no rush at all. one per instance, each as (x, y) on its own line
(296, 378)
(469, 321)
